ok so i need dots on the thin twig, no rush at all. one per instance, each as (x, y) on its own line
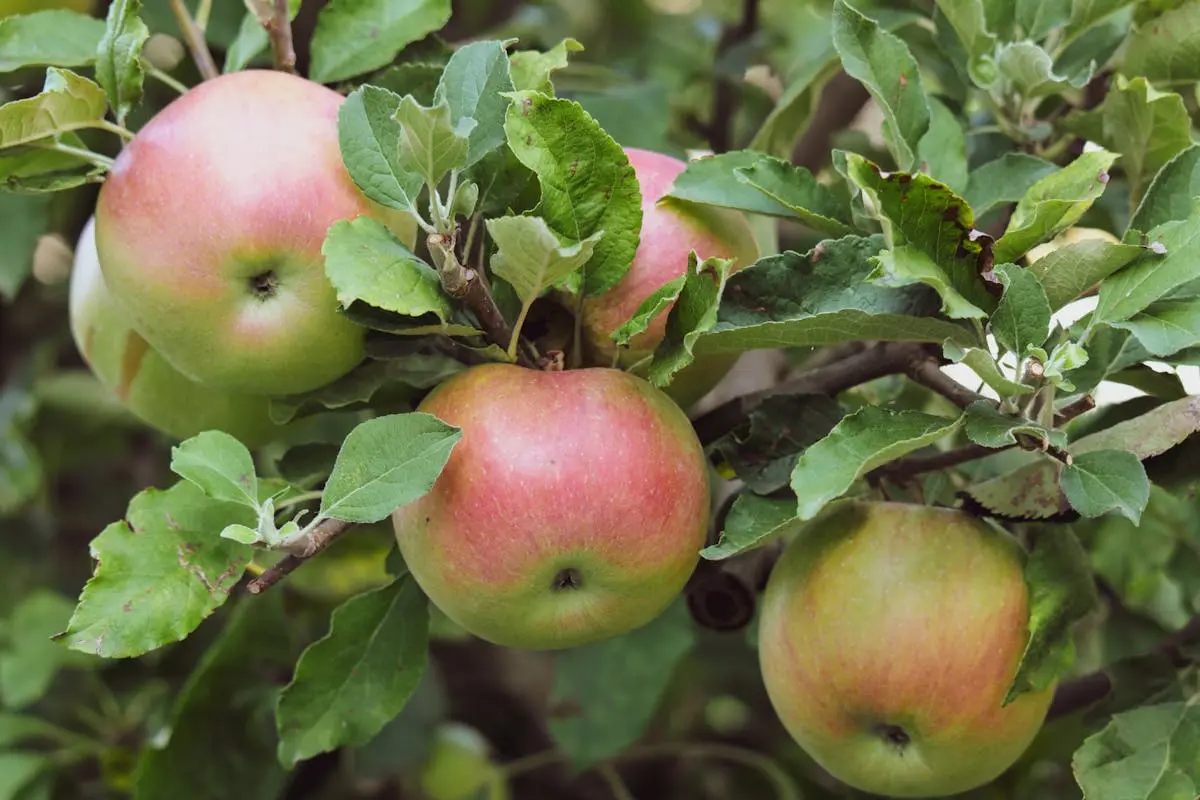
(273, 15)
(1075, 409)
(917, 465)
(319, 540)
(193, 36)
(719, 130)
(928, 373)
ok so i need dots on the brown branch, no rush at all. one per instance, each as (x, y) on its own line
(318, 541)
(917, 465)
(274, 18)
(193, 36)
(719, 130)
(1075, 409)
(926, 371)
(875, 361)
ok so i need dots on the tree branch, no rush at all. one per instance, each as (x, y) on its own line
(926, 371)
(193, 36)
(318, 541)
(719, 130)
(917, 465)
(275, 19)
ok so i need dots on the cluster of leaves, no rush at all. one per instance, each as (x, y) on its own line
(992, 145)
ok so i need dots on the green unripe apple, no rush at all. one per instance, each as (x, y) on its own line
(460, 768)
(670, 230)
(572, 509)
(889, 637)
(210, 227)
(153, 390)
(11, 7)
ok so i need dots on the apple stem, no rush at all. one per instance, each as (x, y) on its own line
(193, 36)
(316, 542)
(276, 21)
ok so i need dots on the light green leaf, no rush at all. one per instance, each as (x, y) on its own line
(387, 462)
(694, 313)
(1153, 276)
(531, 69)
(119, 57)
(752, 522)
(883, 64)
(357, 36)
(1005, 180)
(984, 365)
(369, 136)
(33, 170)
(54, 38)
(1166, 326)
(1170, 194)
(430, 143)
(798, 191)
(942, 151)
(720, 180)
(18, 771)
(1022, 319)
(1149, 752)
(1061, 592)
(1028, 70)
(969, 21)
(1055, 203)
(1105, 480)
(987, 426)
(1147, 127)
(868, 438)
(220, 465)
(1069, 271)
(472, 85)
(160, 573)
(587, 182)
(366, 262)
(1163, 50)
(606, 693)
(67, 102)
(355, 679)
(650, 308)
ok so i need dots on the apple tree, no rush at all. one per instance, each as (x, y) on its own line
(599, 399)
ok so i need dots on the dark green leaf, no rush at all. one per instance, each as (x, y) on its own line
(21, 469)
(1061, 592)
(54, 38)
(969, 21)
(752, 522)
(119, 57)
(883, 64)
(662, 299)
(1152, 277)
(694, 313)
(22, 221)
(1164, 50)
(1022, 319)
(1166, 326)
(868, 438)
(30, 660)
(1105, 480)
(587, 182)
(797, 190)
(1038, 17)
(942, 151)
(606, 693)
(350, 683)
(471, 85)
(1005, 180)
(357, 36)
(987, 426)
(369, 135)
(416, 78)
(1069, 271)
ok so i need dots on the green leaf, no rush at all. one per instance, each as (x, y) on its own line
(1163, 50)
(1005, 180)
(722, 180)
(868, 438)
(387, 462)
(1028, 70)
(22, 221)
(587, 182)
(220, 465)
(352, 682)
(416, 78)
(369, 136)
(1147, 127)
(906, 264)
(1069, 271)
(67, 102)
(1055, 203)
(119, 57)
(822, 297)
(531, 257)
(31, 660)
(531, 69)
(798, 191)
(942, 151)
(1106, 480)
(18, 771)
(694, 313)
(1152, 277)
(1038, 17)
(430, 143)
(472, 85)
(20, 465)
(1170, 194)
(984, 365)
(222, 739)
(32, 170)
(365, 262)
(1061, 592)
(55, 38)
(969, 21)
(883, 64)
(605, 694)
(357, 36)
(1022, 319)
(252, 36)
(918, 211)
(1149, 752)
(650, 308)
(160, 573)
(752, 522)
(1166, 326)
(987, 426)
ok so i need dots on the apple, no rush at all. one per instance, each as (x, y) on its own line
(888, 638)
(153, 390)
(459, 766)
(210, 226)
(12, 7)
(671, 229)
(572, 509)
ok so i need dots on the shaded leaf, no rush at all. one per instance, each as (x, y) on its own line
(1106, 480)
(942, 151)
(1005, 180)
(1153, 276)
(1069, 271)
(1022, 319)
(1164, 49)
(694, 313)
(752, 522)
(369, 136)
(1170, 194)
(798, 191)
(987, 426)
(54, 38)
(1148, 752)
(357, 36)
(31, 660)
(119, 57)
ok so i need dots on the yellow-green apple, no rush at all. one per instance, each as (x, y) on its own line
(889, 636)
(210, 226)
(572, 509)
(671, 229)
(10, 7)
(153, 390)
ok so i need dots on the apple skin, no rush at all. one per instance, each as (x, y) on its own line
(210, 226)
(13, 7)
(153, 390)
(590, 470)
(671, 229)
(886, 617)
